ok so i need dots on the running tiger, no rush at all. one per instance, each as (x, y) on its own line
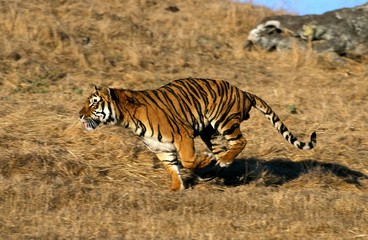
(169, 118)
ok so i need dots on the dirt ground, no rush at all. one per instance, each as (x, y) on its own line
(58, 181)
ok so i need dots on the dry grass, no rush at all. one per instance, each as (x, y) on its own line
(60, 182)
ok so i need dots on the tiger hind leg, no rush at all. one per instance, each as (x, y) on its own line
(217, 147)
(214, 141)
(235, 144)
(171, 165)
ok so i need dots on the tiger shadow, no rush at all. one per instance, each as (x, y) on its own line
(272, 172)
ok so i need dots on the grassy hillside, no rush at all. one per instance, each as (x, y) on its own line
(59, 182)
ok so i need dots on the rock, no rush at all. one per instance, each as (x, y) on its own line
(344, 31)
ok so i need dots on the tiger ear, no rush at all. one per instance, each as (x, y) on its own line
(96, 88)
(105, 90)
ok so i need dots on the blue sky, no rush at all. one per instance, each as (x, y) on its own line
(302, 7)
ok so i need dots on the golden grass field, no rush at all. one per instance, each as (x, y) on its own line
(58, 181)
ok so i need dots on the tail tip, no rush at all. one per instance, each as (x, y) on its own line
(313, 137)
(313, 141)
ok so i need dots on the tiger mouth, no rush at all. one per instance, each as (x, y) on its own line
(91, 124)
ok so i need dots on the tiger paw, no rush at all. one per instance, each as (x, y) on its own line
(204, 159)
(206, 173)
(224, 164)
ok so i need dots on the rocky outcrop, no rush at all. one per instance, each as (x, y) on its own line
(344, 31)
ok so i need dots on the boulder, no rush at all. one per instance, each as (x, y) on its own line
(343, 31)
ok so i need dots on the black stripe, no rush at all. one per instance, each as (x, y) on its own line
(142, 126)
(159, 134)
(102, 105)
(275, 119)
(211, 91)
(193, 102)
(172, 162)
(236, 138)
(231, 130)
(192, 89)
(231, 117)
(224, 115)
(287, 137)
(203, 92)
(172, 137)
(183, 91)
(146, 94)
(226, 95)
(283, 128)
(178, 111)
(301, 145)
(109, 106)
(219, 151)
(171, 120)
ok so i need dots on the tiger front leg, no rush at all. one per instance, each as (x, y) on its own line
(188, 156)
(171, 165)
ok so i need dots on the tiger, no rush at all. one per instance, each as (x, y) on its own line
(169, 118)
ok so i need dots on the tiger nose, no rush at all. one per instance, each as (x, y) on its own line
(81, 116)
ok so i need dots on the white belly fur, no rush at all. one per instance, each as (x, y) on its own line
(156, 146)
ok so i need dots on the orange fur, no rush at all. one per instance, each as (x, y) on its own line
(169, 118)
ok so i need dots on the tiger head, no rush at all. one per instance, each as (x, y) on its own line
(98, 108)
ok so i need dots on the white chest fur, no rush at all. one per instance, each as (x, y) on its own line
(156, 146)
